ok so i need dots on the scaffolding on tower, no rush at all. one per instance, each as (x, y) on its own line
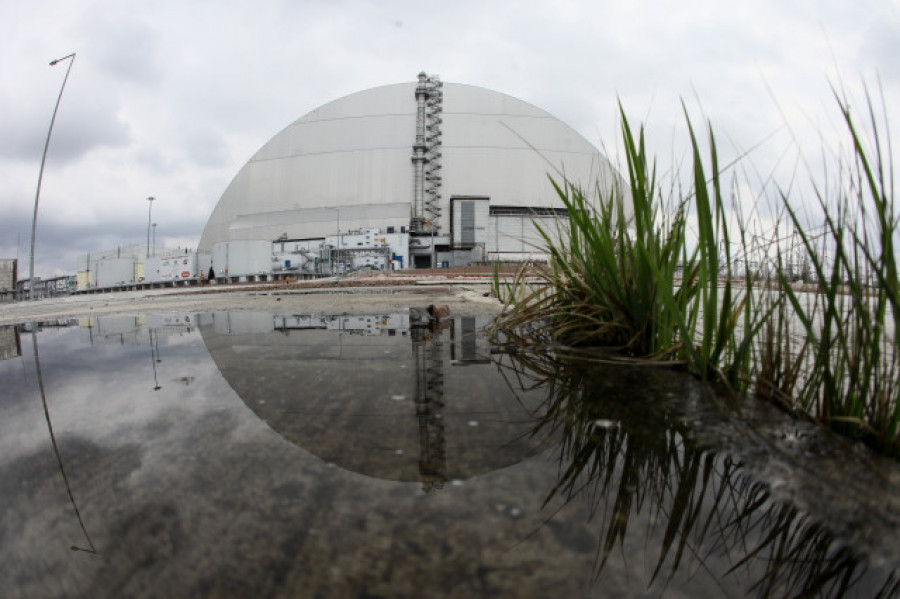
(427, 155)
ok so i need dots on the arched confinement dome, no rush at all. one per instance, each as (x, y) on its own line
(353, 164)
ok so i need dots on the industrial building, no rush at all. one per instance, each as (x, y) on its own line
(129, 266)
(410, 175)
(9, 269)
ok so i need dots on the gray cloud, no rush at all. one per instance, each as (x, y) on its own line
(126, 49)
(171, 100)
(86, 119)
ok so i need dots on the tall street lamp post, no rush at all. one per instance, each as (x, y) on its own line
(149, 213)
(154, 239)
(37, 194)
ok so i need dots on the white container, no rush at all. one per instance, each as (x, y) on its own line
(112, 272)
(171, 268)
(84, 279)
(242, 258)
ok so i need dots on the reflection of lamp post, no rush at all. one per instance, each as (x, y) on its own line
(154, 359)
(154, 239)
(62, 470)
(37, 194)
(149, 212)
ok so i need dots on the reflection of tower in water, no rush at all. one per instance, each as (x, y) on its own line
(410, 394)
(428, 350)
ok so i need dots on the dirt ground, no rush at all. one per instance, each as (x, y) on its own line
(464, 293)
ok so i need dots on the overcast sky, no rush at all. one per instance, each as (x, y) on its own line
(170, 99)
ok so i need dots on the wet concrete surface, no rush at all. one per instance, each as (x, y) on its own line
(316, 455)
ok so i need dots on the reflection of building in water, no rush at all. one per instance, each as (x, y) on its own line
(389, 324)
(382, 395)
(133, 330)
(464, 347)
(10, 344)
(138, 330)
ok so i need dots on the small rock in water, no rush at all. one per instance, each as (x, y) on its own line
(439, 312)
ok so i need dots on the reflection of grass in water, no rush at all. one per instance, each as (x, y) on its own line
(628, 455)
(638, 286)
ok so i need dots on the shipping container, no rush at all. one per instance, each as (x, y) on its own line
(242, 258)
(112, 272)
(84, 280)
(169, 269)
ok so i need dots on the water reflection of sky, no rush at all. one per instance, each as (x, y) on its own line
(307, 455)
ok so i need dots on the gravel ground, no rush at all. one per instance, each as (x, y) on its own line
(467, 295)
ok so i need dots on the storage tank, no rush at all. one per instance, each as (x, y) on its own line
(242, 258)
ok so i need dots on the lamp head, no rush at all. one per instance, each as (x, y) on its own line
(53, 62)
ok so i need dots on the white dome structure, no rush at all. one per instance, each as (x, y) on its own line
(462, 169)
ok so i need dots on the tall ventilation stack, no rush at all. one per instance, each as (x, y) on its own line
(427, 155)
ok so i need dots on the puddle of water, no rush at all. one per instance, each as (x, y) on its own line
(684, 483)
(247, 454)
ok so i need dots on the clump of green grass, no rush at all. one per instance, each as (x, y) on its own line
(852, 382)
(624, 279)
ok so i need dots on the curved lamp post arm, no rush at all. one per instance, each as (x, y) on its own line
(37, 194)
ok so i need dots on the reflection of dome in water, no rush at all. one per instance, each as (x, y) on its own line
(396, 403)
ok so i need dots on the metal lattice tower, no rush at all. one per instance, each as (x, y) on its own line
(427, 154)
(434, 107)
